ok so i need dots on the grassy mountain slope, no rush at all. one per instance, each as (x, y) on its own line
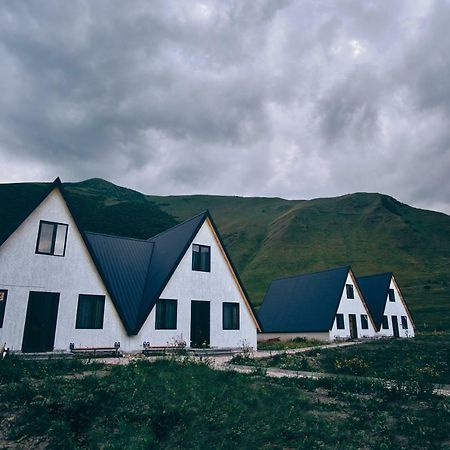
(272, 237)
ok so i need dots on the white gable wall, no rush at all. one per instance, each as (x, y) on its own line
(217, 286)
(22, 271)
(351, 306)
(396, 308)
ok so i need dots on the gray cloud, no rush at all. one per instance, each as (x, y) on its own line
(288, 98)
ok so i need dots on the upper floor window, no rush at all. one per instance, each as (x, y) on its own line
(385, 323)
(230, 316)
(350, 291)
(201, 258)
(364, 322)
(52, 238)
(90, 311)
(3, 295)
(404, 322)
(340, 321)
(166, 315)
(391, 295)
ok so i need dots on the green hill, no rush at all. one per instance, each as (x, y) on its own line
(273, 237)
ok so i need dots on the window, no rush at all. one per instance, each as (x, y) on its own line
(404, 322)
(340, 321)
(231, 316)
(364, 322)
(385, 323)
(350, 292)
(51, 238)
(3, 295)
(90, 311)
(201, 258)
(166, 315)
(391, 295)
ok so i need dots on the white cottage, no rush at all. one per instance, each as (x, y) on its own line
(387, 305)
(61, 287)
(324, 305)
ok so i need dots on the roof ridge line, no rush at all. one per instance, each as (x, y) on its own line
(311, 273)
(205, 212)
(119, 237)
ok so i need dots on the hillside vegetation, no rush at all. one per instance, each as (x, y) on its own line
(273, 237)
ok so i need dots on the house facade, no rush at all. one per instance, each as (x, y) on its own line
(325, 305)
(61, 287)
(387, 305)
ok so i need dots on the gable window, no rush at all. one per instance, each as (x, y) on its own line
(385, 323)
(350, 292)
(201, 258)
(52, 238)
(391, 295)
(340, 321)
(230, 316)
(3, 295)
(90, 311)
(166, 315)
(364, 322)
(404, 322)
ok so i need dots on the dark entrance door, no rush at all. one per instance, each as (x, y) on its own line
(395, 326)
(353, 327)
(200, 323)
(40, 324)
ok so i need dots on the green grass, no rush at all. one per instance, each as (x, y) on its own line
(272, 237)
(425, 358)
(288, 345)
(177, 405)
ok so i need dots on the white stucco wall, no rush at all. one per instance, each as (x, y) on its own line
(396, 308)
(22, 271)
(351, 306)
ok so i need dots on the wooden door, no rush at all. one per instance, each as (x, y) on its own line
(40, 324)
(395, 326)
(200, 323)
(353, 326)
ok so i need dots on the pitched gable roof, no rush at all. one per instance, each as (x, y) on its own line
(303, 303)
(375, 291)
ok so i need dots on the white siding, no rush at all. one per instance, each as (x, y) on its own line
(396, 308)
(22, 271)
(351, 306)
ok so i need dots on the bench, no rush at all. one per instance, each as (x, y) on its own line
(96, 352)
(161, 350)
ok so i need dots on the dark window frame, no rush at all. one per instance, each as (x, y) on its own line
(234, 325)
(385, 323)
(364, 322)
(3, 306)
(198, 267)
(350, 291)
(340, 322)
(391, 295)
(404, 320)
(55, 229)
(161, 317)
(90, 326)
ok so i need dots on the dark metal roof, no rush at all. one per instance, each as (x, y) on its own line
(375, 292)
(303, 303)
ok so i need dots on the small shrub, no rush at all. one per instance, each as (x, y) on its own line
(352, 366)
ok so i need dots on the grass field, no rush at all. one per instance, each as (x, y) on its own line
(173, 404)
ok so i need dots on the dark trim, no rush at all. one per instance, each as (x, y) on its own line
(238, 315)
(55, 231)
(2, 312)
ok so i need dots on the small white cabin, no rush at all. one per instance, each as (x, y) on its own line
(62, 288)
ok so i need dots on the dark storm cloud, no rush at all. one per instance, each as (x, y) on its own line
(297, 99)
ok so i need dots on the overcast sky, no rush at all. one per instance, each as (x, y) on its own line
(297, 99)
